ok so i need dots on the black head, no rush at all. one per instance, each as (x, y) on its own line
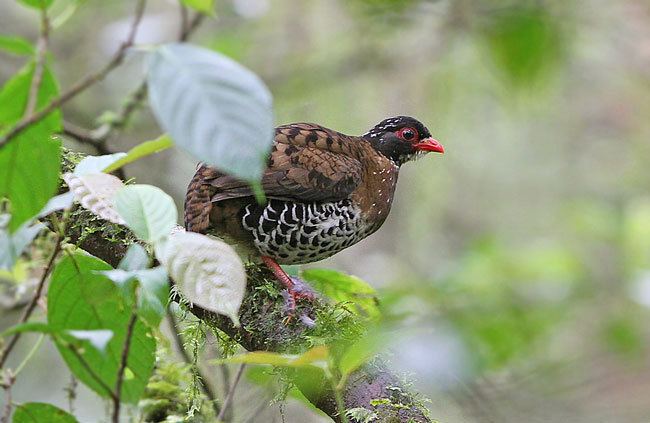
(402, 138)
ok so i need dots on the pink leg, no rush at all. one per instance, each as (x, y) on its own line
(295, 290)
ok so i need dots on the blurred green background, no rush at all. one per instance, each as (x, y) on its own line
(523, 253)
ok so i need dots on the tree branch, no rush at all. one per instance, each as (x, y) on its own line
(81, 85)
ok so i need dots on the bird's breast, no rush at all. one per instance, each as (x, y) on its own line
(295, 233)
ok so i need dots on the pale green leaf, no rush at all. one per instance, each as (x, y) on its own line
(147, 210)
(208, 272)
(212, 107)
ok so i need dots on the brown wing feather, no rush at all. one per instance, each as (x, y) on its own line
(307, 163)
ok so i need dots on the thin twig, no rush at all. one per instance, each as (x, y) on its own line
(231, 393)
(39, 66)
(120, 372)
(180, 346)
(83, 84)
(32, 304)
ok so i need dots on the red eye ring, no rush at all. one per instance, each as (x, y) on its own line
(408, 134)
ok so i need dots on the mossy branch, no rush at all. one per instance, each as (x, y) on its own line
(374, 387)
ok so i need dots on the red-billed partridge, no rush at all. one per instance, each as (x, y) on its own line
(324, 192)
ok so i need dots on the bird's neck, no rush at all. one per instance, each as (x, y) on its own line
(375, 196)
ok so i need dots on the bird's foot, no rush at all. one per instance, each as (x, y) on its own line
(298, 291)
(295, 291)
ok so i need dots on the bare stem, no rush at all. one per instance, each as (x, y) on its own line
(231, 393)
(32, 304)
(120, 372)
(83, 84)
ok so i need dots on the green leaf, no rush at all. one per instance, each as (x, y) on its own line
(212, 107)
(147, 210)
(37, 4)
(81, 299)
(341, 287)
(26, 185)
(207, 270)
(317, 357)
(97, 164)
(203, 6)
(39, 412)
(16, 45)
(142, 150)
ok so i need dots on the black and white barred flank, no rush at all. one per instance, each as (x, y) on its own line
(298, 233)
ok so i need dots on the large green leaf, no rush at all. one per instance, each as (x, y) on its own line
(212, 107)
(30, 163)
(40, 412)
(147, 210)
(81, 299)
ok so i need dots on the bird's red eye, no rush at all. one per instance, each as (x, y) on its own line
(408, 134)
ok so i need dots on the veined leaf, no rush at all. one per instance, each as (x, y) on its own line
(212, 107)
(81, 299)
(95, 192)
(147, 210)
(207, 270)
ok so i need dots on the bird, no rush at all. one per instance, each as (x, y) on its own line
(324, 191)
